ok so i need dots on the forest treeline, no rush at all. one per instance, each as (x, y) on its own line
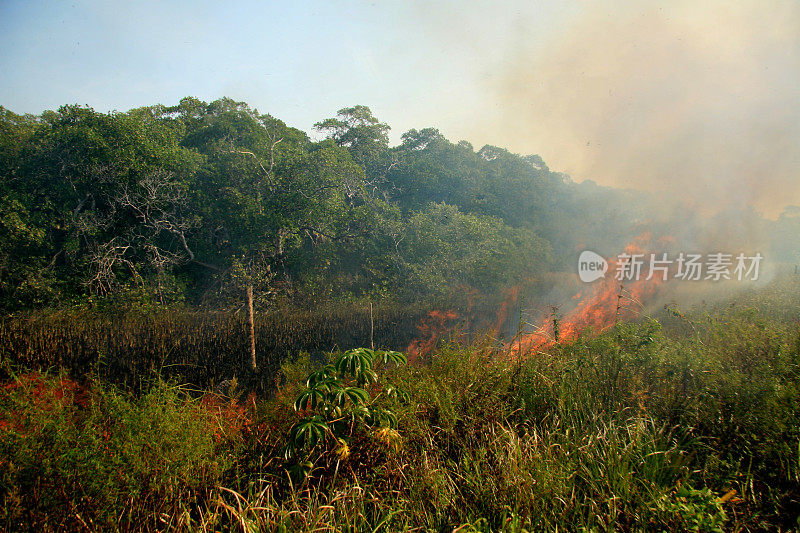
(193, 203)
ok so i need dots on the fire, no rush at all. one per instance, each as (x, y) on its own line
(431, 328)
(510, 298)
(609, 301)
(597, 307)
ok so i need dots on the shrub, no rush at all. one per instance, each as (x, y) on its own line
(78, 456)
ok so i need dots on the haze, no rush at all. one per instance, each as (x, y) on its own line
(699, 102)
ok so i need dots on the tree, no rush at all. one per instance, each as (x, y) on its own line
(272, 206)
(431, 169)
(445, 249)
(273, 194)
(24, 278)
(365, 137)
(105, 193)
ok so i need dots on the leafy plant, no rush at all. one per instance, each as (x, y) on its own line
(696, 509)
(335, 403)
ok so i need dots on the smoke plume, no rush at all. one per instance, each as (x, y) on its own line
(699, 102)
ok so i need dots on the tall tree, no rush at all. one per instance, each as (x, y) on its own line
(365, 137)
(108, 190)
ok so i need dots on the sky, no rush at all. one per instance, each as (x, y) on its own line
(699, 102)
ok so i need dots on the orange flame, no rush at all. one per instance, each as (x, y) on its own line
(430, 331)
(511, 296)
(609, 301)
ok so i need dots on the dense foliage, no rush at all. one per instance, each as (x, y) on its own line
(193, 202)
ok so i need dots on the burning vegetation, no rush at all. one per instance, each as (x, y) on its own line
(601, 305)
(208, 244)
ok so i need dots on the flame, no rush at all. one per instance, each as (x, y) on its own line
(597, 307)
(431, 329)
(609, 301)
(511, 296)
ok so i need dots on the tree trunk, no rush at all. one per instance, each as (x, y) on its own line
(371, 329)
(252, 323)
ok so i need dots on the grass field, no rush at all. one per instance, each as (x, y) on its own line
(688, 423)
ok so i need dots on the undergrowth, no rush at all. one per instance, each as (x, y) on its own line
(633, 429)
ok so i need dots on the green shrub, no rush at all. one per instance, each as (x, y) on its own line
(74, 454)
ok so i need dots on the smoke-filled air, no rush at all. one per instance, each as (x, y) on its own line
(418, 266)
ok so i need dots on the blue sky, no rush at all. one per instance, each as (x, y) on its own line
(300, 61)
(695, 100)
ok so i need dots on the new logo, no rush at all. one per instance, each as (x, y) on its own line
(591, 266)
